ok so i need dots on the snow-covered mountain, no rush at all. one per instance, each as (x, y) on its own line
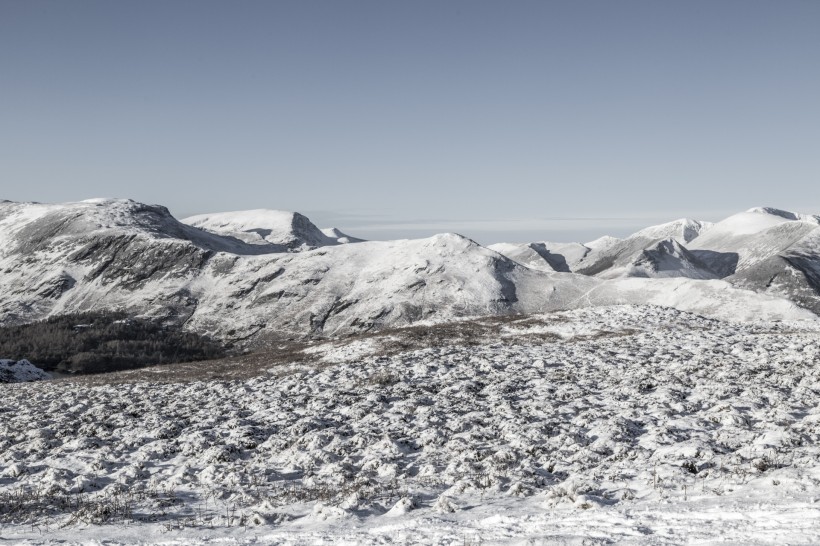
(262, 275)
(667, 258)
(749, 238)
(121, 254)
(268, 227)
(544, 256)
(615, 258)
(765, 250)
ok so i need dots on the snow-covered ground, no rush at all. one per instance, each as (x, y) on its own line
(616, 424)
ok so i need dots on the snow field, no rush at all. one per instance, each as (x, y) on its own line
(628, 423)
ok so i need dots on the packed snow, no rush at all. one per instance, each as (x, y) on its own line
(627, 424)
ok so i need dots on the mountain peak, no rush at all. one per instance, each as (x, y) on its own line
(264, 226)
(683, 229)
(788, 215)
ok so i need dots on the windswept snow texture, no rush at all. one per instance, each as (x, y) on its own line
(622, 424)
(20, 371)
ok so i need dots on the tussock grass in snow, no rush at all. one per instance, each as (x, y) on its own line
(527, 422)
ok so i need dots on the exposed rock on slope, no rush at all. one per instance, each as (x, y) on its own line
(621, 254)
(668, 258)
(20, 371)
(544, 256)
(118, 254)
(764, 250)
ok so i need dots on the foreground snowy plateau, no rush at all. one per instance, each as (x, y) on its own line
(622, 424)
(657, 389)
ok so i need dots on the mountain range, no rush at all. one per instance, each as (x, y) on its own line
(254, 277)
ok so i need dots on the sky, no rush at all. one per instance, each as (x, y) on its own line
(503, 121)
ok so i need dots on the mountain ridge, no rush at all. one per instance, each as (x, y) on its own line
(246, 286)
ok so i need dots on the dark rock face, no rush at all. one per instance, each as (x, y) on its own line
(722, 264)
(780, 276)
(132, 260)
(670, 258)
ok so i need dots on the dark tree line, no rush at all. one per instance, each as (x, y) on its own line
(103, 342)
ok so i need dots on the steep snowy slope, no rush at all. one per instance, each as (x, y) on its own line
(667, 258)
(531, 255)
(543, 256)
(81, 256)
(766, 250)
(748, 238)
(620, 255)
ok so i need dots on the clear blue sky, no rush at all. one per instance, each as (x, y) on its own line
(507, 120)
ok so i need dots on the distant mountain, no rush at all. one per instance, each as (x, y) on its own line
(235, 283)
(615, 257)
(341, 238)
(667, 258)
(544, 256)
(265, 227)
(765, 250)
(746, 239)
(251, 277)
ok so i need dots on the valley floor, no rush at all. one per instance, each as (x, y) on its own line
(620, 424)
